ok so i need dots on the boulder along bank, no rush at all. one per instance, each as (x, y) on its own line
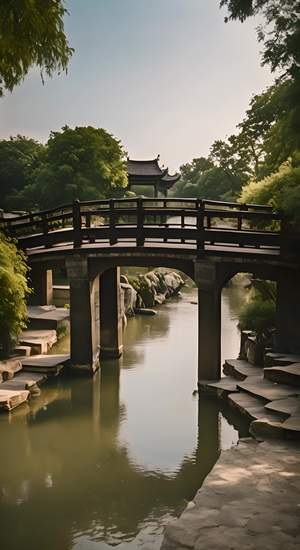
(149, 290)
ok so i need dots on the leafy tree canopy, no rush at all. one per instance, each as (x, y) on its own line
(13, 292)
(280, 189)
(190, 171)
(31, 33)
(280, 31)
(82, 163)
(19, 156)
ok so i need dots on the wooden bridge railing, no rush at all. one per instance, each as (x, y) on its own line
(190, 221)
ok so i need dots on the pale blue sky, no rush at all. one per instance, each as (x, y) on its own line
(164, 76)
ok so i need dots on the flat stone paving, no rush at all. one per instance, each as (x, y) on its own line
(45, 363)
(249, 501)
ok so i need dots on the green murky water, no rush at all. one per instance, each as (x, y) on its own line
(106, 462)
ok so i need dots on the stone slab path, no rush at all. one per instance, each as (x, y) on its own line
(40, 341)
(249, 501)
(240, 369)
(47, 317)
(47, 364)
(259, 386)
(10, 399)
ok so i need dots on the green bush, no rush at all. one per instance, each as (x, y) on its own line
(258, 315)
(281, 190)
(13, 292)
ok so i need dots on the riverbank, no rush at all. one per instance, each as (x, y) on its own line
(250, 500)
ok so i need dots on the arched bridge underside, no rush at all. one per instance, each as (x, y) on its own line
(209, 241)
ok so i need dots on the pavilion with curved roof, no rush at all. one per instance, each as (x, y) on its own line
(149, 172)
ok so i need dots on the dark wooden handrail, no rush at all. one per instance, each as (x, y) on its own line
(198, 221)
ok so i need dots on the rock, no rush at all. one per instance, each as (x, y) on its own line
(145, 311)
(124, 280)
(150, 289)
(130, 298)
(9, 368)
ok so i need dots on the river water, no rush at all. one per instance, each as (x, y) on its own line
(106, 462)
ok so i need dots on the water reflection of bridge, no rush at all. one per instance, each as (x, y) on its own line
(75, 475)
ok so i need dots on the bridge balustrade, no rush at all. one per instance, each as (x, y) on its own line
(195, 223)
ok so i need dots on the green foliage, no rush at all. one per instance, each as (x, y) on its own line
(214, 183)
(281, 190)
(19, 156)
(267, 136)
(82, 163)
(258, 316)
(280, 31)
(13, 292)
(259, 312)
(191, 171)
(31, 33)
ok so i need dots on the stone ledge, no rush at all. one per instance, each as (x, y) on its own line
(236, 506)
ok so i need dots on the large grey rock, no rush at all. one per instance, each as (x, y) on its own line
(130, 299)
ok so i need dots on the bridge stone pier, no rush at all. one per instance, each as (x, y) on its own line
(84, 314)
(210, 241)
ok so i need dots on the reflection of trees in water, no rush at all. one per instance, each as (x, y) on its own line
(235, 299)
(74, 477)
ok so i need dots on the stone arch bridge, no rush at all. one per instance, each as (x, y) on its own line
(210, 241)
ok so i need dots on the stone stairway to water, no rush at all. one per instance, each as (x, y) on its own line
(22, 375)
(269, 396)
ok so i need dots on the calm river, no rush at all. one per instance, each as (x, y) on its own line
(106, 462)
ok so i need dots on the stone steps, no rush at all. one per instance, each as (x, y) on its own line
(47, 317)
(288, 406)
(280, 359)
(240, 369)
(258, 386)
(40, 341)
(24, 381)
(273, 408)
(21, 376)
(46, 364)
(289, 374)
(10, 399)
(255, 408)
(221, 388)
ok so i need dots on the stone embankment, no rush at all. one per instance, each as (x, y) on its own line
(250, 500)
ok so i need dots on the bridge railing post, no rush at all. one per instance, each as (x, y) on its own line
(200, 226)
(112, 223)
(182, 223)
(77, 224)
(46, 230)
(140, 238)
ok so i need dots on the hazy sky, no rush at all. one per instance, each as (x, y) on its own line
(164, 76)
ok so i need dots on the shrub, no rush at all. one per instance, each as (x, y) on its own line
(258, 315)
(281, 190)
(13, 292)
